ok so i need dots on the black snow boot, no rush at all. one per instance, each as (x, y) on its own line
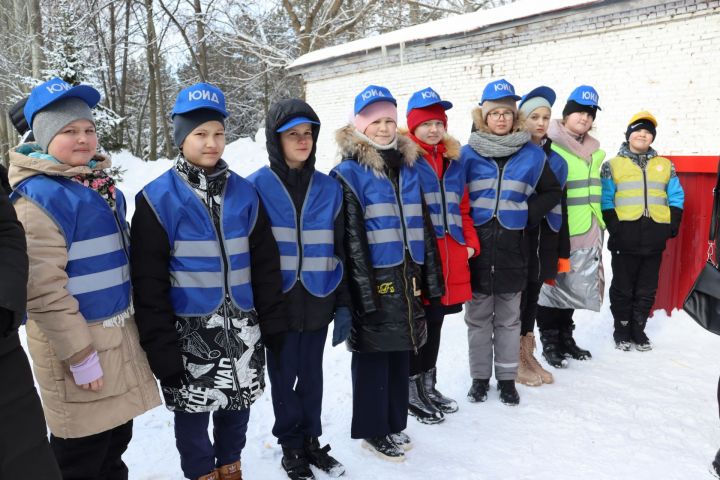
(296, 464)
(321, 459)
(508, 393)
(478, 390)
(642, 342)
(420, 406)
(716, 464)
(550, 340)
(441, 402)
(569, 348)
(384, 448)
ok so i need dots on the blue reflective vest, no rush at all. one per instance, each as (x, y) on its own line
(320, 271)
(444, 214)
(198, 275)
(96, 239)
(559, 167)
(506, 197)
(386, 233)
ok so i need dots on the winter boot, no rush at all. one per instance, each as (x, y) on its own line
(478, 390)
(568, 347)
(550, 340)
(716, 465)
(623, 345)
(231, 471)
(321, 459)
(642, 342)
(441, 402)
(529, 339)
(384, 448)
(402, 440)
(420, 406)
(526, 374)
(296, 464)
(214, 475)
(508, 393)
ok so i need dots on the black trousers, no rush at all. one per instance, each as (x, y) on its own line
(380, 393)
(24, 448)
(550, 318)
(95, 457)
(632, 292)
(427, 355)
(529, 306)
(297, 387)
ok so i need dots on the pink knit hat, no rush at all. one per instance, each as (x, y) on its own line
(372, 112)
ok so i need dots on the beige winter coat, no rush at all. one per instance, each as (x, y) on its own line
(58, 333)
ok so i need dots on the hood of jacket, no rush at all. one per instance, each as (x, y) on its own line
(280, 113)
(23, 166)
(353, 146)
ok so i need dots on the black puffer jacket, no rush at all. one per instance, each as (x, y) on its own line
(388, 312)
(502, 266)
(13, 280)
(306, 311)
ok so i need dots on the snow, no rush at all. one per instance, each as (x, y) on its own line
(439, 28)
(636, 415)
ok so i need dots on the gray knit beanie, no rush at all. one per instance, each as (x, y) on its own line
(184, 123)
(51, 119)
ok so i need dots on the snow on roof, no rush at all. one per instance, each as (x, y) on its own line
(447, 26)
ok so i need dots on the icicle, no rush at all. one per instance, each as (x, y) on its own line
(383, 52)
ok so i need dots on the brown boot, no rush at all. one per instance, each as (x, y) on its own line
(214, 475)
(230, 472)
(529, 341)
(525, 374)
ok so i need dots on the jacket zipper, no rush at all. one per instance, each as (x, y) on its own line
(645, 192)
(445, 224)
(495, 227)
(404, 275)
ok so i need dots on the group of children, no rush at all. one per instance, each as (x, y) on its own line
(215, 269)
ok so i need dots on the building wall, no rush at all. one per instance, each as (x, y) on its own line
(659, 56)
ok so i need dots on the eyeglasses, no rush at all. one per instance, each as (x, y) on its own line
(497, 115)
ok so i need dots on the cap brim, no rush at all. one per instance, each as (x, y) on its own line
(202, 107)
(378, 99)
(294, 122)
(86, 93)
(545, 92)
(514, 97)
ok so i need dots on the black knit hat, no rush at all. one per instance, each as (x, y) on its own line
(184, 123)
(572, 107)
(643, 123)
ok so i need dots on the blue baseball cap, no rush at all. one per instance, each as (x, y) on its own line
(543, 92)
(295, 121)
(56, 89)
(199, 96)
(425, 98)
(372, 94)
(585, 95)
(497, 90)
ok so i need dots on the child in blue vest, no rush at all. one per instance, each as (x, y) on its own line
(511, 188)
(93, 376)
(207, 286)
(304, 207)
(391, 260)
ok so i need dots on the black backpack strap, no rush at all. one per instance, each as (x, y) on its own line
(715, 218)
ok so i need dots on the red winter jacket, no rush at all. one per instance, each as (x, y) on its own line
(453, 255)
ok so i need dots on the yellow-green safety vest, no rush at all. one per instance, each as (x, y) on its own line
(583, 190)
(641, 192)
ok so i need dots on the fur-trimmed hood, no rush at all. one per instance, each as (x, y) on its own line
(452, 145)
(480, 124)
(352, 146)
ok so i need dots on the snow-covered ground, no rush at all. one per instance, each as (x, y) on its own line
(621, 415)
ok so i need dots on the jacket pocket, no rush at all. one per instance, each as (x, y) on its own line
(108, 342)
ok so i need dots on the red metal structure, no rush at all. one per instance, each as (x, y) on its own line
(685, 254)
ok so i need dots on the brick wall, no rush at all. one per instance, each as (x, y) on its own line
(648, 54)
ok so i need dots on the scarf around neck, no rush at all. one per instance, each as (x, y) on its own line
(495, 146)
(560, 135)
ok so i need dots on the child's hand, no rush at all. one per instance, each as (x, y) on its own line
(94, 386)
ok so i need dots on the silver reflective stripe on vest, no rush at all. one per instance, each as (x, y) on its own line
(517, 186)
(236, 246)
(657, 201)
(182, 279)
(629, 201)
(557, 209)
(413, 210)
(288, 262)
(239, 277)
(318, 237)
(93, 282)
(384, 236)
(634, 185)
(483, 202)
(594, 198)
(95, 246)
(415, 234)
(577, 201)
(284, 234)
(319, 264)
(510, 205)
(433, 198)
(195, 248)
(595, 182)
(482, 184)
(381, 210)
(436, 219)
(656, 185)
(577, 183)
(452, 197)
(457, 219)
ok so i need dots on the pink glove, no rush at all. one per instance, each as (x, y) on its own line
(88, 370)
